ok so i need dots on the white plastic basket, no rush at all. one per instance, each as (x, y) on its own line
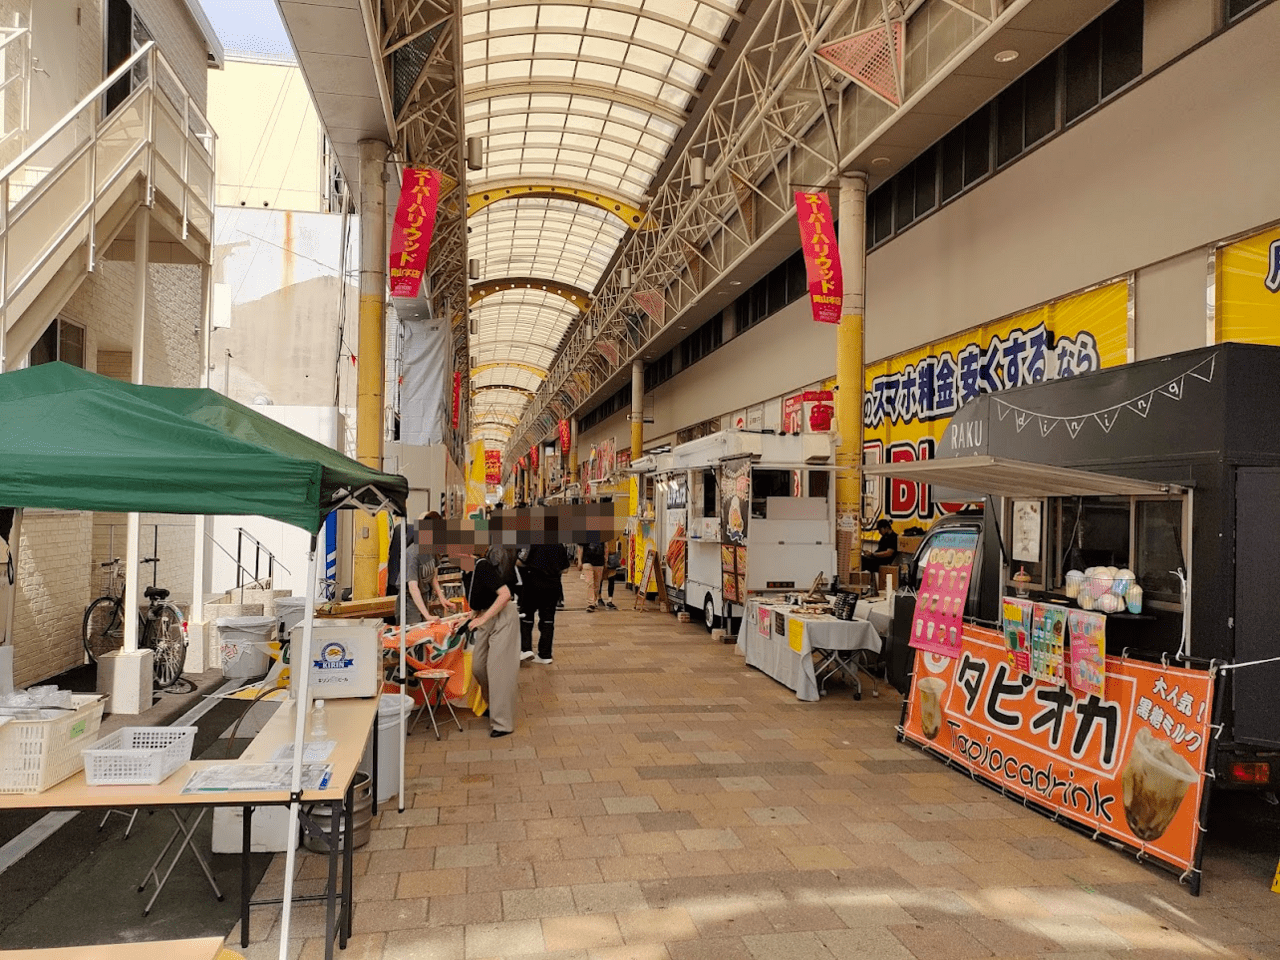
(36, 754)
(138, 755)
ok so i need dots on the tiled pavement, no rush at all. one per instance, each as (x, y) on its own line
(661, 801)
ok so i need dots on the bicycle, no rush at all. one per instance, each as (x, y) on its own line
(160, 626)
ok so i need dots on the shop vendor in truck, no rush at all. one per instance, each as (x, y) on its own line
(885, 551)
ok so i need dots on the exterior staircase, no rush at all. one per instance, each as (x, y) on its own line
(75, 189)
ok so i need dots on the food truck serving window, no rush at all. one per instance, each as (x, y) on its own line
(767, 483)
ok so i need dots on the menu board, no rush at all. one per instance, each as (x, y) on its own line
(733, 572)
(1048, 640)
(1017, 632)
(1087, 651)
(944, 585)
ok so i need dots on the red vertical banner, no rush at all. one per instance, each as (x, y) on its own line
(493, 467)
(565, 438)
(533, 458)
(411, 232)
(821, 255)
(457, 397)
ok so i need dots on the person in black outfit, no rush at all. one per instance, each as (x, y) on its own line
(495, 659)
(885, 551)
(540, 569)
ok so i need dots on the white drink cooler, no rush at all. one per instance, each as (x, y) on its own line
(346, 658)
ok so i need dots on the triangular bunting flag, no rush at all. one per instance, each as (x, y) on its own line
(1046, 425)
(1073, 426)
(1107, 418)
(1174, 388)
(1004, 409)
(1201, 374)
(1141, 406)
(1021, 418)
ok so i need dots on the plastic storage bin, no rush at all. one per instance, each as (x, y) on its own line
(243, 641)
(137, 755)
(36, 754)
(290, 611)
(389, 709)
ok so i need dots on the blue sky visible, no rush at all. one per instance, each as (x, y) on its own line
(249, 26)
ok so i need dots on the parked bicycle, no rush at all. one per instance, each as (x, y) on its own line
(160, 625)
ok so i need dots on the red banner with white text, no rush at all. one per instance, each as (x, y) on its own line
(411, 234)
(457, 397)
(564, 437)
(821, 255)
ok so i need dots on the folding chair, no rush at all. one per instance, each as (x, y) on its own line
(438, 678)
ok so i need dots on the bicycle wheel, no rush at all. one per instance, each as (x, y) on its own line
(164, 636)
(103, 628)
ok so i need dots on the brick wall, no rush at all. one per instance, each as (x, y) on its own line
(53, 591)
(61, 551)
(180, 41)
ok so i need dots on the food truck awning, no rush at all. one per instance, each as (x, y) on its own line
(1001, 477)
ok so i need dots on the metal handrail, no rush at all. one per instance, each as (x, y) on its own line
(197, 144)
(10, 34)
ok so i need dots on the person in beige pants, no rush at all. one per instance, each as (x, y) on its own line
(495, 661)
(496, 665)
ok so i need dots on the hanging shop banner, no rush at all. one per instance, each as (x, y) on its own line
(493, 467)
(565, 438)
(1087, 651)
(533, 458)
(411, 233)
(1248, 289)
(944, 585)
(457, 397)
(475, 489)
(735, 498)
(821, 255)
(911, 397)
(1128, 762)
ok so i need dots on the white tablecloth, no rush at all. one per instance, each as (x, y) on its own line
(766, 642)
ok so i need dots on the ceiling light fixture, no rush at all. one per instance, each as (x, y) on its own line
(1006, 56)
(473, 269)
(475, 153)
(697, 173)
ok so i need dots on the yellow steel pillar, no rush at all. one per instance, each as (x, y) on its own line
(850, 377)
(370, 355)
(637, 410)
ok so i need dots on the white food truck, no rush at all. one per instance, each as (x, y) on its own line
(740, 512)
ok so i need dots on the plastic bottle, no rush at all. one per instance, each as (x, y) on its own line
(318, 727)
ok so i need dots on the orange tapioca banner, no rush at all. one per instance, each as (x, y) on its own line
(1129, 763)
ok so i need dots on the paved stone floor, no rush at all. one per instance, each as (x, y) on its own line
(661, 801)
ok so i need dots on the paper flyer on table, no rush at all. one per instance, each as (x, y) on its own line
(266, 777)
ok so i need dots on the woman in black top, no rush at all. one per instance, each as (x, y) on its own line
(495, 661)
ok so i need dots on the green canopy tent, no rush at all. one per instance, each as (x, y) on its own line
(74, 440)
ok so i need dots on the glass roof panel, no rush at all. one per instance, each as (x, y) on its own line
(567, 94)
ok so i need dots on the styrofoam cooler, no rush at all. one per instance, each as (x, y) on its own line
(290, 611)
(269, 832)
(388, 744)
(243, 641)
(346, 658)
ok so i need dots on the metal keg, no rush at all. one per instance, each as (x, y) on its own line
(361, 817)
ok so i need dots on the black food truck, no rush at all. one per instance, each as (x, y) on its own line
(1137, 508)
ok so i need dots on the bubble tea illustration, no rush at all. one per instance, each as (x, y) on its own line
(930, 691)
(1155, 779)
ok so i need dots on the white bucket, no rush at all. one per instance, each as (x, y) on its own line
(388, 744)
(243, 641)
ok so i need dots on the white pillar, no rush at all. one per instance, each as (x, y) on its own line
(126, 675)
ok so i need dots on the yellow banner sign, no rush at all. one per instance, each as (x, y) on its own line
(910, 397)
(1248, 289)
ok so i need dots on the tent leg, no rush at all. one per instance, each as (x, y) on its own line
(302, 665)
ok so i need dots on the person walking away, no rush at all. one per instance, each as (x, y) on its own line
(495, 661)
(541, 569)
(593, 568)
